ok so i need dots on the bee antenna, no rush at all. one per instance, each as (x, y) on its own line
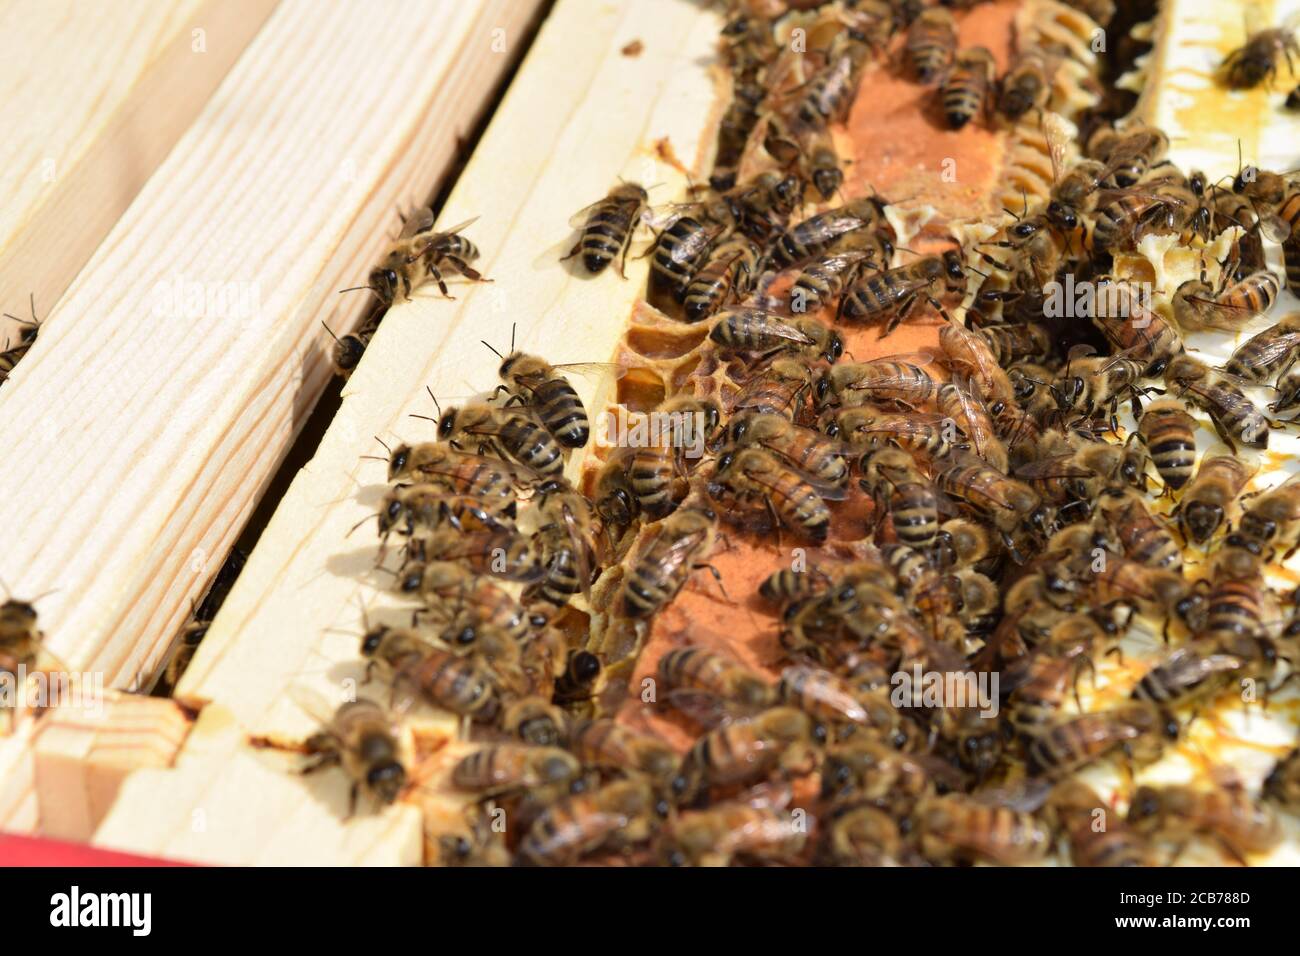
(358, 288)
(492, 350)
(373, 458)
(435, 400)
(330, 331)
(360, 523)
(513, 327)
(385, 444)
(427, 418)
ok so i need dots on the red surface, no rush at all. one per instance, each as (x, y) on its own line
(31, 851)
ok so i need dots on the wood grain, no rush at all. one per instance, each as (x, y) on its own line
(168, 383)
(92, 98)
(579, 114)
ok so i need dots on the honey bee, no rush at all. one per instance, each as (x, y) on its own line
(974, 357)
(749, 329)
(1226, 815)
(1015, 343)
(1075, 805)
(967, 86)
(1227, 306)
(678, 253)
(960, 827)
(1126, 318)
(1012, 505)
(652, 469)
(514, 767)
(664, 561)
(931, 43)
(535, 720)
(567, 534)
(781, 739)
(1258, 358)
(1139, 730)
(829, 94)
(621, 813)
(779, 388)
(359, 738)
(788, 586)
(1145, 539)
(689, 671)
(881, 380)
(444, 585)
(1040, 680)
(964, 407)
(859, 834)
(962, 543)
(824, 169)
(609, 745)
(892, 295)
(861, 768)
(736, 125)
(506, 554)
(463, 684)
(536, 383)
(1028, 83)
(1130, 154)
(511, 434)
(1283, 782)
(421, 255)
(1170, 435)
(1233, 414)
(21, 639)
(349, 349)
(804, 449)
(1155, 592)
(607, 227)
(459, 472)
(891, 477)
(1187, 674)
(1256, 61)
(831, 699)
(1211, 495)
(407, 509)
(824, 279)
(752, 831)
(730, 269)
(756, 475)
(863, 426)
(11, 354)
(820, 233)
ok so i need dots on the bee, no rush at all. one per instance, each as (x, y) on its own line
(665, 559)
(1010, 504)
(506, 554)
(1256, 61)
(818, 234)
(748, 329)
(1124, 315)
(653, 468)
(1228, 306)
(534, 382)
(804, 449)
(1129, 155)
(1288, 390)
(462, 473)
(973, 356)
(1258, 358)
(475, 845)
(536, 721)
(824, 169)
(421, 255)
(881, 380)
(1140, 730)
(755, 474)
(696, 670)
(1212, 494)
(11, 354)
(621, 813)
(445, 584)
(512, 434)
(1074, 806)
(1097, 383)
(964, 407)
(463, 684)
(829, 95)
(736, 125)
(779, 388)
(1155, 592)
(609, 745)
(678, 252)
(1123, 217)
(864, 769)
(1015, 343)
(960, 827)
(1144, 538)
(824, 279)
(892, 294)
(781, 739)
(567, 532)
(829, 698)
(1186, 675)
(1236, 611)
(753, 831)
(514, 767)
(730, 269)
(1283, 782)
(891, 477)
(607, 227)
(962, 543)
(967, 86)
(1027, 84)
(21, 639)
(349, 349)
(1226, 815)
(1040, 680)
(406, 509)
(788, 586)
(859, 834)
(1170, 435)
(864, 425)
(931, 43)
(1233, 414)
(360, 739)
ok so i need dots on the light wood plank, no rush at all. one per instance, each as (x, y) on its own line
(579, 114)
(92, 98)
(141, 429)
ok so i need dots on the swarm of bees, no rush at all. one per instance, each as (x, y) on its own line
(1016, 531)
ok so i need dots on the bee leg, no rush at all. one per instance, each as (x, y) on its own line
(717, 576)
(465, 269)
(572, 252)
(352, 801)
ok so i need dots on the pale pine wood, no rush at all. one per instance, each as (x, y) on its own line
(92, 97)
(139, 436)
(579, 114)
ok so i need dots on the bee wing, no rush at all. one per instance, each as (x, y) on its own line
(595, 369)
(824, 490)
(313, 703)
(583, 549)
(420, 220)
(1271, 352)
(1058, 142)
(1056, 467)
(452, 230)
(1025, 795)
(707, 710)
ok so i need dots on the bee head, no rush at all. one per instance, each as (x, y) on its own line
(834, 347)
(385, 282)
(348, 351)
(373, 638)
(386, 780)
(397, 461)
(447, 424)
